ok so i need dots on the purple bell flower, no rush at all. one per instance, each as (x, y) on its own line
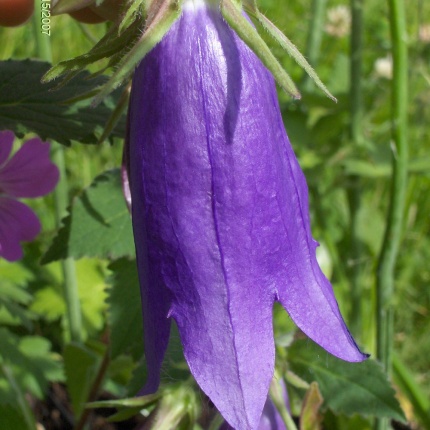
(270, 419)
(28, 173)
(220, 216)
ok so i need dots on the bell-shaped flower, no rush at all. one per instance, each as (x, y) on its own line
(220, 216)
(271, 418)
(28, 173)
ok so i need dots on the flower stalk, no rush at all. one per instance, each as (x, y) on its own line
(315, 31)
(356, 114)
(393, 232)
(71, 295)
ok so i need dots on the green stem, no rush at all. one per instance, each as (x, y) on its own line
(314, 37)
(279, 402)
(68, 264)
(356, 112)
(393, 232)
(94, 390)
(43, 48)
(20, 398)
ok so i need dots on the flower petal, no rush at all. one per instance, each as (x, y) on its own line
(30, 172)
(6, 142)
(303, 289)
(270, 419)
(17, 223)
(219, 208)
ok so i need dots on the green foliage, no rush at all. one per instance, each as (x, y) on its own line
(348, 388)
(32, 364)
(14, 297)
(63, 115)
(125, 314)
(80, 366)
(98, 224)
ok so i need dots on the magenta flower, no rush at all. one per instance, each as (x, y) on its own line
(220, 216)
(28, 173)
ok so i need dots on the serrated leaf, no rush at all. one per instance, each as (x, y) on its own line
(13, 295)
(80, 366)
(125, 314)
(41, 365)
(347, 388)
(49, 303)
(28, 106)
(98, 224)
(9, 351)
(32, 361)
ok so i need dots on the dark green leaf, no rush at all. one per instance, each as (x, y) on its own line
(80, 365)
(125, 313)
(11, 418)
(346, 387)
(28, 106)
(98, 224)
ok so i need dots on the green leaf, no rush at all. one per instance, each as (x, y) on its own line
(31, 360)
(28, 106)
(125, 313)
(41, 365)
(98, 224)
(80, 365)
(409, 386)
(14, 297)
(11, 418)
(49, 304)
(310, 418)
(92, 293)
(9, 351)
(347, 388)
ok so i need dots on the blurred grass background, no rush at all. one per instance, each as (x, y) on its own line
(319, 131)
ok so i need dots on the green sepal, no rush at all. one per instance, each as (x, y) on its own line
(158, 23)
(131, 10)
(107, 47)
(286, 44)
(232, 13)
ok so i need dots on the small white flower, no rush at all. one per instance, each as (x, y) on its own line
(338, 21)
(383, 67)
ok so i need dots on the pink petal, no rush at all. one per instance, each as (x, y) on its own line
(30, 172)
(6, 142)
(17, 223)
